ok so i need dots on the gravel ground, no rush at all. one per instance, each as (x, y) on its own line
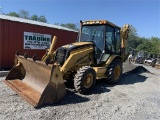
(135, 97)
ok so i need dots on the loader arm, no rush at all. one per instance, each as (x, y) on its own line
(49, 56)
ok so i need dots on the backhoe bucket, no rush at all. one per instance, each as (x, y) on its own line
(36, 82)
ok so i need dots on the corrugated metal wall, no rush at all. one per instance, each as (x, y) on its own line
(11, 39)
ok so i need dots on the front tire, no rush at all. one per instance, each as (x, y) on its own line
(85, 79)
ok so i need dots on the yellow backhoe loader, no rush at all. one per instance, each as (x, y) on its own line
(98, 53)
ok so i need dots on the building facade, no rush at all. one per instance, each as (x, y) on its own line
(29, 36)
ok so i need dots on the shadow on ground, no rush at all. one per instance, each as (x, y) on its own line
(133, 76)
(72, 97)
(100, 87)
(130, 77)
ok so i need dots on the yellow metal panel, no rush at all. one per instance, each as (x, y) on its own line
(111, 58)
(124, 34)
(100, 72)
(82, 43)
(76, 57)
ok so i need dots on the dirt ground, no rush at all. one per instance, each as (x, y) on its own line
(135, 97)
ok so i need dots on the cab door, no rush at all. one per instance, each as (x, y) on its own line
(112, 40)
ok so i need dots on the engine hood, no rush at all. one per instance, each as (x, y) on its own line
(77, 44)
(63, 52)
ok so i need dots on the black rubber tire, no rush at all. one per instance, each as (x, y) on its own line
(111, 74)
(81, 77)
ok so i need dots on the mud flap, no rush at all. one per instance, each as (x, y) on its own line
(37, 82)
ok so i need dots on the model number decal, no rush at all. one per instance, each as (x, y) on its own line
(82, 58)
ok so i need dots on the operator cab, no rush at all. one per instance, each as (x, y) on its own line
(104, 35)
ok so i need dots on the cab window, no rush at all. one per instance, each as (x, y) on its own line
(113, 39)
(110, 38)
(118, 40)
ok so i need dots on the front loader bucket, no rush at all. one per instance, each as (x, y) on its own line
(36, 82)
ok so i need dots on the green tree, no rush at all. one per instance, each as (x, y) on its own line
(68, 25)
(42, 19)
(144, 46)
(24, 14)
(132, 37)
(34, 17)
(14, 14)
(155, 45)
(151, 45)
(56, 23)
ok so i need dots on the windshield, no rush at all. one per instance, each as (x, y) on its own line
(93, 34)
(90, 33)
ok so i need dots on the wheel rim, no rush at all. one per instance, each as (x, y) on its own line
(117, 72)
(88, 81)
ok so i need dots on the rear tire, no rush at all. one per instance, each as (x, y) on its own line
(114, 72)
(85, 79)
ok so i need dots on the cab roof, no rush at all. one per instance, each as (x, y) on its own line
(98, 22)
